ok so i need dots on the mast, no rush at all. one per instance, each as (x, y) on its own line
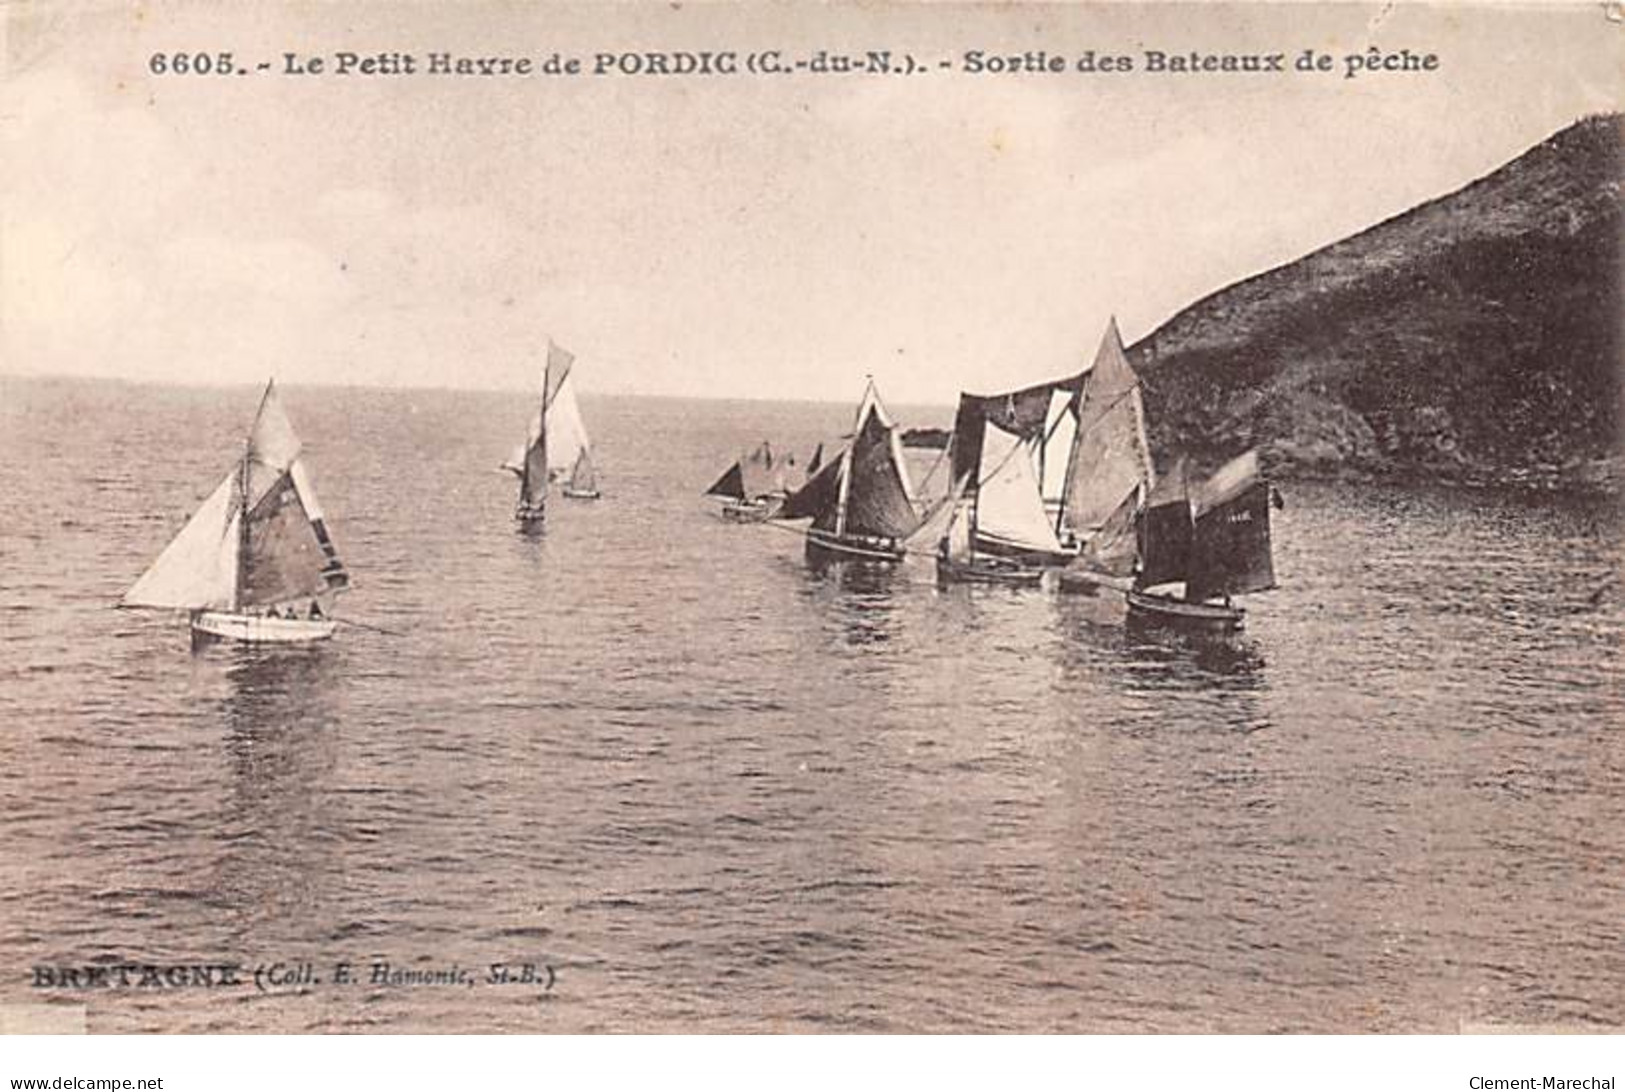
(239, 578)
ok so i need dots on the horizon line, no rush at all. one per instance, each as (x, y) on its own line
(298, 384)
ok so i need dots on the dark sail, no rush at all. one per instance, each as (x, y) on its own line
(731, 485)
(282, 559)
(816, 461)
(877, 500)
(533, 473)
(1230, 550)
(818, 499)
(1165, 530)
(559, 362)
(1113, 548)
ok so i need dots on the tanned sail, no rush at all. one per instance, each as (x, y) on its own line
(256, 561)
(860, 502)
(1214, 539)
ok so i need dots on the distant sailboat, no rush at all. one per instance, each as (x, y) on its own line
(555, 445)
(583, 483)
(754, 487)
(1200, 547)
(860, 502)
(255, 563)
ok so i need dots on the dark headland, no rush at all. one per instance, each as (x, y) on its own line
(1475, 338)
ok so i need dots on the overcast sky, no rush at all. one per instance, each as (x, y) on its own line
(773, 236)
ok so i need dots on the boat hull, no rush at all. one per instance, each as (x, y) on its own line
(258, 630)
(529, 514)
(581, 494)
(823, 546)
(756, 511)
(988, 570)
(1166, 612)
(1075, 580)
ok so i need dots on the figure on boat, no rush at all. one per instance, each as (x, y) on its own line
(754, 488)
(255, 563)
(860, 502)
(555, 445)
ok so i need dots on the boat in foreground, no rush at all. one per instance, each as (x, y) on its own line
(255, 563)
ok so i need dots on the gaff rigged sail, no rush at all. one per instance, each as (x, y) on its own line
(864, 490)
(259, 539)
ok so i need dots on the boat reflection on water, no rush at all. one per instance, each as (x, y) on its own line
(277, 833)
(858, 596)
(1157, 662)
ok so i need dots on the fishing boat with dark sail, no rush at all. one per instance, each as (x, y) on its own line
(1200, 547)
(754, 487)
(1049, 477)
(255, 563)
(860, 502)
(555, 445)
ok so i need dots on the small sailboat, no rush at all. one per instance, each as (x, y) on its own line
(255, 563)
(583, 483)
(1200, 547)
(555, 445)
(860, 502)
(754, 487)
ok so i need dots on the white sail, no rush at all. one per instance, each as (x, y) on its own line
(1009, 509)
(566, 431)
(1060, 429)
(198, 569)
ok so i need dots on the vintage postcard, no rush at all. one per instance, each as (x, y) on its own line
(788, 518)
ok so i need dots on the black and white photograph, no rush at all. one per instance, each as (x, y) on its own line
(788, 518)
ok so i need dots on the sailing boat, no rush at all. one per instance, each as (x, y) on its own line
(255, 563)
(754, 487)
(1050, 476)
(860, 501)
(583, 483)
(555, 444)
(1200, 547)
(1000, 530)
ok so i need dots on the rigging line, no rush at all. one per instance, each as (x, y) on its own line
(374, 629)
(1015, 448)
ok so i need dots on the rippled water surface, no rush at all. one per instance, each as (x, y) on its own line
(714, 790)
